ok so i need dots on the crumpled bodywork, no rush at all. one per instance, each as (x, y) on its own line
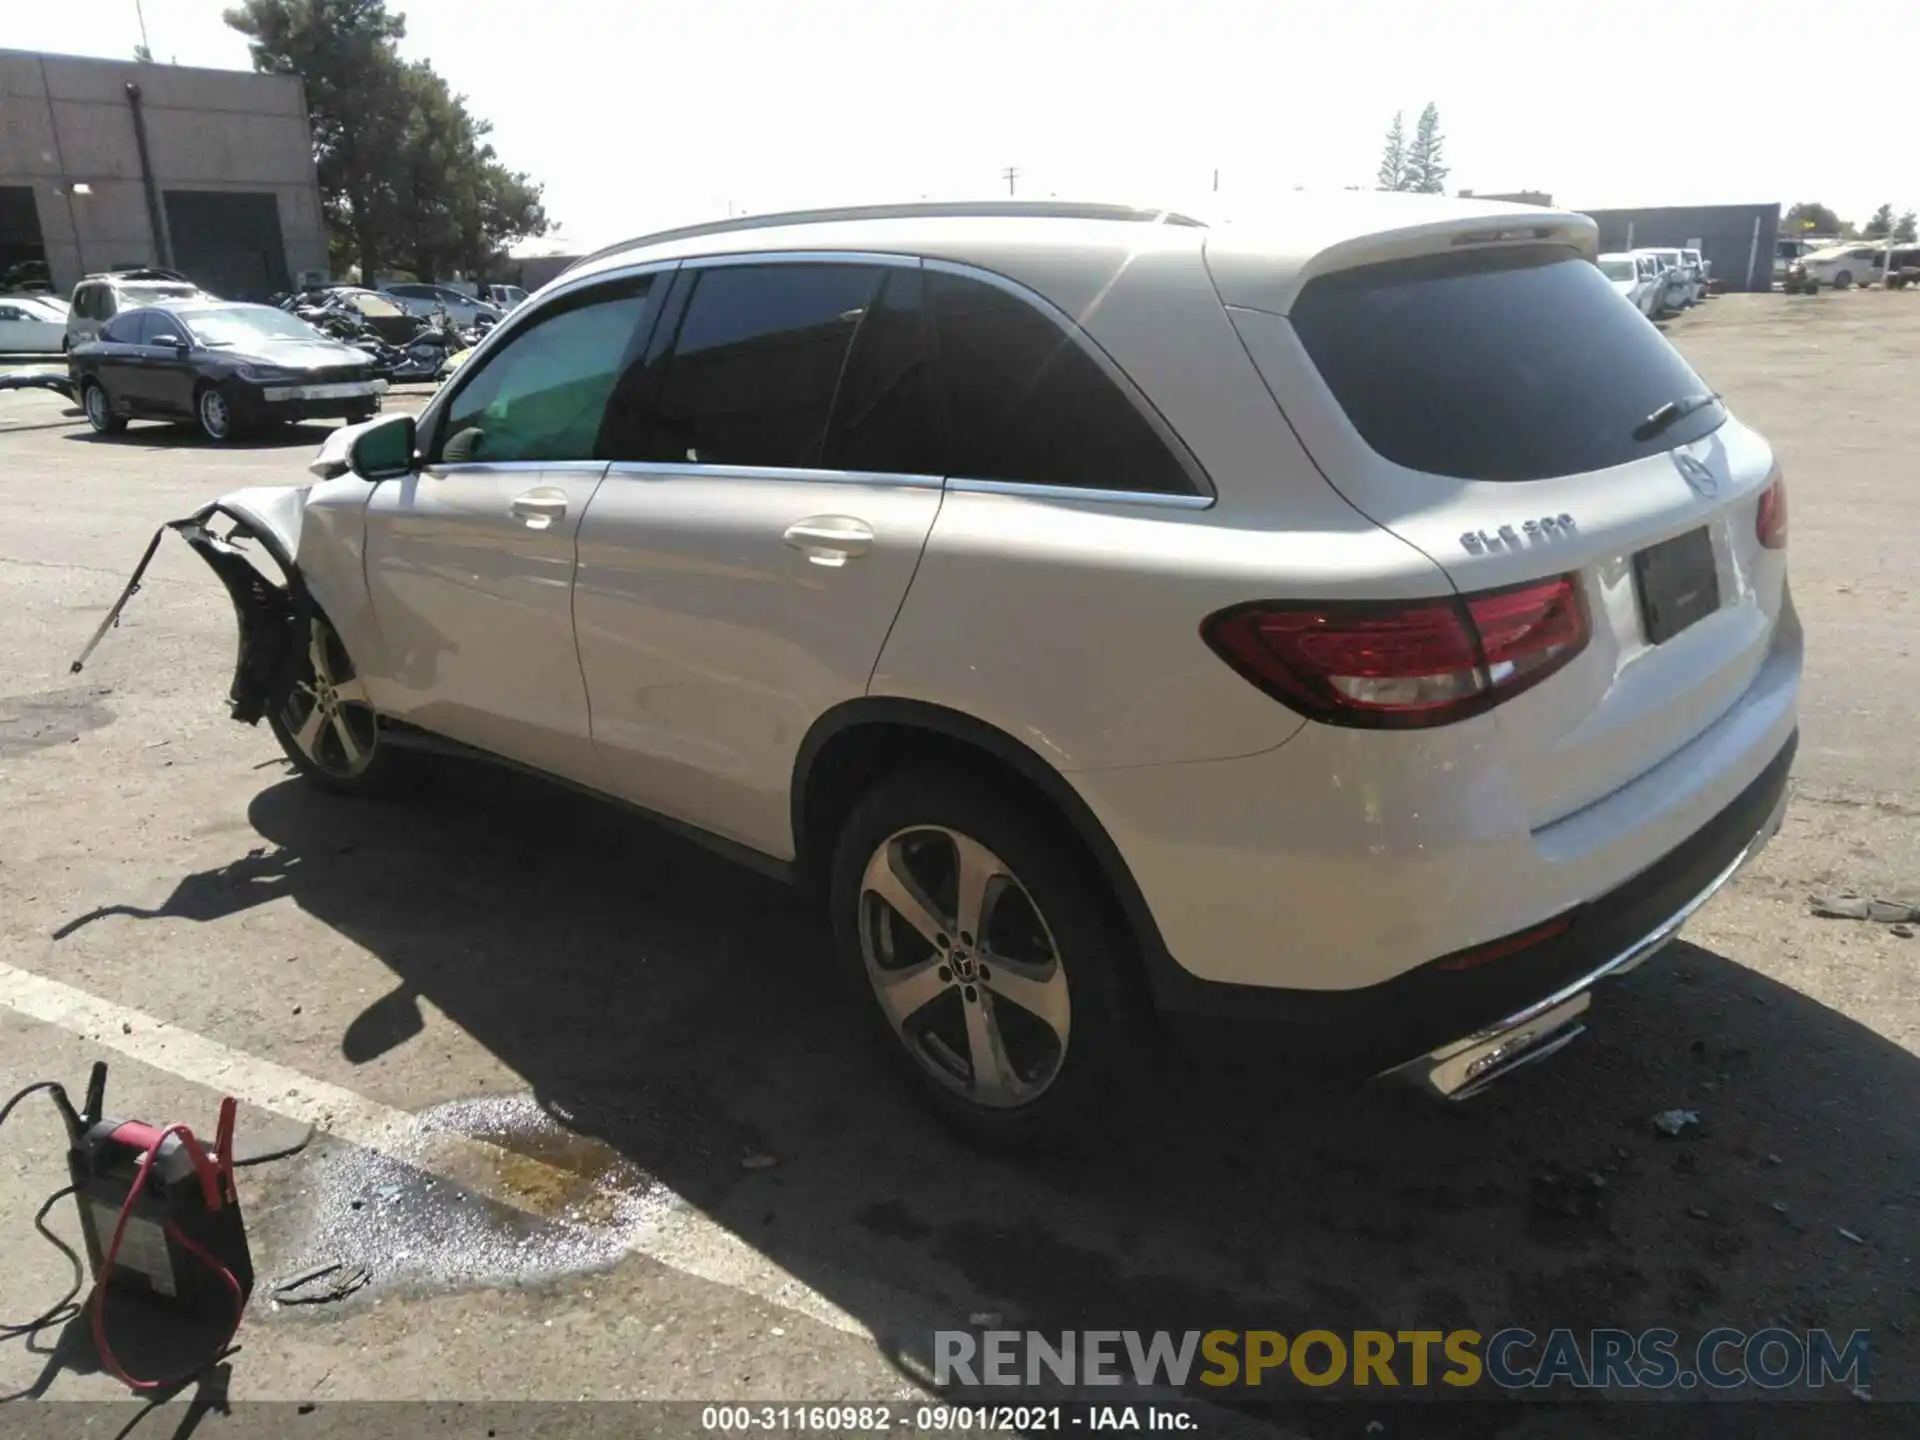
(270, 613)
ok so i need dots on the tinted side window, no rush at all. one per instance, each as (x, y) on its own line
(127, 330)
(1495, 365)
(751, 375)
(1026, 402)
(883, 416)
(543, 395)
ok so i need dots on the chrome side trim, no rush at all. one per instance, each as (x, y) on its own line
(1467, 1066)
(1075, 492)
(691, 470)
(722, 259)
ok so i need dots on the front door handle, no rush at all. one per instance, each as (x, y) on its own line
(830, 540)
(540, 508)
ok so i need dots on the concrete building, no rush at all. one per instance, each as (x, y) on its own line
(107, 163)
(1737, 240)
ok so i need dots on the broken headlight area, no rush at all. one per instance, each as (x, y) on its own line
(271, 609)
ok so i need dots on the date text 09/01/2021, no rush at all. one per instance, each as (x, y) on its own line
(937, 1419)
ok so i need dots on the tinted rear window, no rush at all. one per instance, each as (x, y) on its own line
(1511, 365)
(1026, 401)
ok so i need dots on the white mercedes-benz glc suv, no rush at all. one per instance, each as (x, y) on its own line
(1364, 632)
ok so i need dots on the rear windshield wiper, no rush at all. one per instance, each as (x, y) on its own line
(1671, 414)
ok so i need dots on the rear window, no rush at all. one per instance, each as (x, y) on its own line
(1507, 365)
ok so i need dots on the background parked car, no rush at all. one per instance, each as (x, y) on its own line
(462, 309)
(1906, 266)
(1839, 267)
(98, 298)
(1683, 287)
(224, 365)
(502, 297)
(1700, 269)
(1636, 277)
(31, 323)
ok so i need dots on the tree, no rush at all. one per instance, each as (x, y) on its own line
(403, 173)
(1425, 172)
(1811, 217)
(1903, 228)
(1881, 225)
(1392, 174)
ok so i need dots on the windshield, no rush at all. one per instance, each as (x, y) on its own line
(378, 306)
(1617, 269)
(1516, 364)
(245, 325)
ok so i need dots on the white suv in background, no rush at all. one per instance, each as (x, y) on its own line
(98, 298)
(1364, 634)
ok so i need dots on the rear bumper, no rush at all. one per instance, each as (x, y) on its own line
(1464, 1067)
(1453, 1031)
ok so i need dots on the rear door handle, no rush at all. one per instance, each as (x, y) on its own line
(830, 539)
(540, 508)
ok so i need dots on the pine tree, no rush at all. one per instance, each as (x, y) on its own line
(1392, 174)
(1425, 171)
(1881, 225)
(1903, 229)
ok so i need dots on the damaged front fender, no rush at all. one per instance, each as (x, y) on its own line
(270, 613)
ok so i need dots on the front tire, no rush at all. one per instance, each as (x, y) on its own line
(986, 958)
(326, 725)
(99, 409)
(214, 411)
(1843, 281)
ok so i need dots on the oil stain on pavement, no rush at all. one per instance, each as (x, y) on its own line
(489, 1192)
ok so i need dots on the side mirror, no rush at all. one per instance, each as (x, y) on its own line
(384, 451)
(169, 342)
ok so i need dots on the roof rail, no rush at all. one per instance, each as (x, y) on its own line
(1031, 209)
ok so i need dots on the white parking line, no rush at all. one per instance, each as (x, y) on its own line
(684, 1240)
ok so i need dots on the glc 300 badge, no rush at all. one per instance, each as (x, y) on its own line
(1547, 527)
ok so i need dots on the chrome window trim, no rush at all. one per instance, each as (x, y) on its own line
(442, 468)
(1202, 482)
(1161, 499)
(729, 259)
(694, 470)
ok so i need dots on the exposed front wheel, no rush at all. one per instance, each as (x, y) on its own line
(100, 417)
(1843, 281)
(327, 726)
(215, 413)
(985, 956)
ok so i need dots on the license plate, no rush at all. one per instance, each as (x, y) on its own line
(1678, 584)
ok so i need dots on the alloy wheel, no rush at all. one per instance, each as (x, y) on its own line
(216, 415)
(964, 966)
(327, 715)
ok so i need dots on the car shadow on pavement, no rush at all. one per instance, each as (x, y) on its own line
(685, 1012)
(162, 435)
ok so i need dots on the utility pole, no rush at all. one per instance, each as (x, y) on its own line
(1216, 180)
(1010, 174)
(141, 15)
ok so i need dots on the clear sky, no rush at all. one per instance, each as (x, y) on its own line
(760, 105)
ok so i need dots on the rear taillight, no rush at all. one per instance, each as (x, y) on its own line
(1771, 524)
(1403, 666)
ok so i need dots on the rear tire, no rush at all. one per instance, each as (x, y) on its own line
(986, 959)
(99, 410)
(327, 728)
